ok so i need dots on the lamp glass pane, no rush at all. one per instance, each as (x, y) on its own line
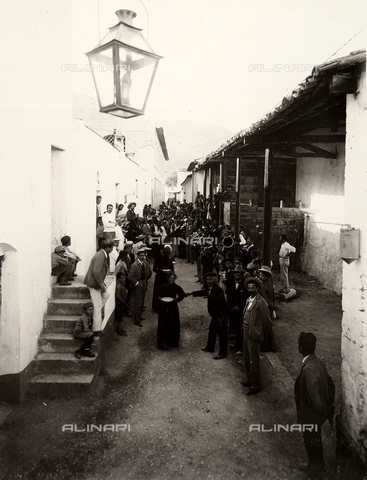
(136, 71)
(101, 64)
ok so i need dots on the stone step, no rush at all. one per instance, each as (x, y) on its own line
(55, 385)
(66, 363)
(75, 290)
(59, 323)
(65, 306)
(62, 343)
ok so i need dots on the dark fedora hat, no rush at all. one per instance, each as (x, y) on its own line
(211, 274)
(238, 269)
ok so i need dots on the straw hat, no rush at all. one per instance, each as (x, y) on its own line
(265, 269)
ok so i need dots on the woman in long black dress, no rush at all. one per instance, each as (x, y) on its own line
(168, 333)
(162, 265)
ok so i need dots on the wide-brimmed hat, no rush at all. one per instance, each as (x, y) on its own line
(265, 269)
(252, 280)
(131, 204)
(141, 250)
(238, 269)
(211, 274)
(140, 237)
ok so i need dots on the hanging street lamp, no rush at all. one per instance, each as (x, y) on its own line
(123, 66)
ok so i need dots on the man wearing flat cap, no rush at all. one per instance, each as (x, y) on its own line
(217, 308)
(255, 319)
(267, 286)
(314, 394)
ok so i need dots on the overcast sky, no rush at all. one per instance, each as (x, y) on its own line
(211, 46)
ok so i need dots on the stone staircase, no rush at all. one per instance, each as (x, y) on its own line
(57, 372)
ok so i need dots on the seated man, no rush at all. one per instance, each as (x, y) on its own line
(61, 267)
(71, 256)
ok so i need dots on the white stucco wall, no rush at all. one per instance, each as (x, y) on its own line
(320, 189)
(10, 327)
(187, 190)
(354, 333)
(50, 168)
(32, 118)
(93, 158)
(144, 159)
(199, 183)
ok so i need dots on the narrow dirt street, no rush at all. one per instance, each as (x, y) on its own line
(186, 415)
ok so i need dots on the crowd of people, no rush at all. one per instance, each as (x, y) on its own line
(239, 291)
(175, 230)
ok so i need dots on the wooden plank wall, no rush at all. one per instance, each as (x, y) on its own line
(286, 221)
(252, 182)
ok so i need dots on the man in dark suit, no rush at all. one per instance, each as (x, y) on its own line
(139, 274)
(314, 404)
(217, 308)
(237, 294)
(229, 263)
(214, 210)
(255, 319)
(94, 280)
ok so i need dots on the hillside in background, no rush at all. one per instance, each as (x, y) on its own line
(188, 140)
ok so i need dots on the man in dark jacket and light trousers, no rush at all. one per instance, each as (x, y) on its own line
(94, 280)
(313, 404)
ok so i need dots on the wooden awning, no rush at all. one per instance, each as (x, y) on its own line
(319, 102)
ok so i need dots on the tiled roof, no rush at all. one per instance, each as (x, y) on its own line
(302, 92)
(162, 141)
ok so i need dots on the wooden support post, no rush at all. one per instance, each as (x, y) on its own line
(204, 184)
(237, 214)
(193, 192)
(209, 193)
(221, 193)
(268, 197)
